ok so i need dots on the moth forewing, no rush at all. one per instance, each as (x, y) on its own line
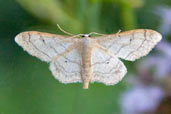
(130, 45)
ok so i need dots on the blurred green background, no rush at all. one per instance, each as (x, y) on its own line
(26, 84)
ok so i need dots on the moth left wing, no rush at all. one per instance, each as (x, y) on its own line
(61, 51)
(106, 68)
(130, 45)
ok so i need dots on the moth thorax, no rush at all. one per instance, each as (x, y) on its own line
(86, 41)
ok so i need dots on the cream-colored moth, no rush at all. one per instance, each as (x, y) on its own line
(89, 59)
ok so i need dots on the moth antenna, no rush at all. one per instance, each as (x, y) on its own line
(119, 31)
(96, 33)
(64, 30)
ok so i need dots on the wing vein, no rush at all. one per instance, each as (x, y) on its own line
(37, 47)
(145, 35)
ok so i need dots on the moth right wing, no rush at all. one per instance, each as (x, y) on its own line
(45, 46)
(130, 45)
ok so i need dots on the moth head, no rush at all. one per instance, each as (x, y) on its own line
(85, 35)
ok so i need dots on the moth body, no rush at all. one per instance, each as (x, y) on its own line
(86, 70)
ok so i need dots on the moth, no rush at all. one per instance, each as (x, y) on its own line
(81, 58)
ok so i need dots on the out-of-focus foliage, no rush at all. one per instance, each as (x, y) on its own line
(26, 84)
(51, 11)
(82, 15)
